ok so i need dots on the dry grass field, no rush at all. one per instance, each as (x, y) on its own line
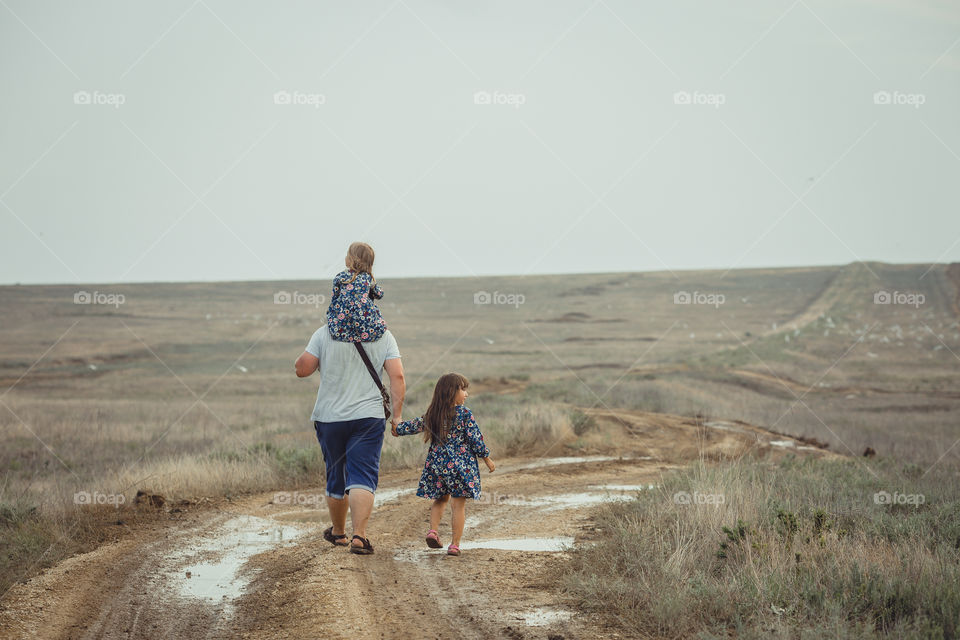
(188, 391)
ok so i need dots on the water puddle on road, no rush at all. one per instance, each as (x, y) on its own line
(543, 616)
(559, 543)
(623, 487)
(566, 500)
(211, 570)
(781, 443)
(306, 515)
(383, 496)
(422, 554)
(549, 462)
(315, 510)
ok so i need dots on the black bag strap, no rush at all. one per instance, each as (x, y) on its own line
(376, 378)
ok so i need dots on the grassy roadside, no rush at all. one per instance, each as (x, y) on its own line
(797, 549)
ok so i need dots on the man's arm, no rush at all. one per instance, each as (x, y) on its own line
(398, 387)
(306, 364)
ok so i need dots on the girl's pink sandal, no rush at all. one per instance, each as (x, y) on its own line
(433, 540)
(453, 550)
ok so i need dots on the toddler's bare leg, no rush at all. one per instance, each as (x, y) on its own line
(436, 511)
(458, 506)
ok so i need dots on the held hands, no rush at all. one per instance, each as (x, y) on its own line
(393, 427)
(489, 464)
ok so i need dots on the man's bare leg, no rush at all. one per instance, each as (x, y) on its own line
(338, 514)
(361, 506)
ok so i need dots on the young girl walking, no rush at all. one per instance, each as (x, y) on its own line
(352, 315)
(450, 473)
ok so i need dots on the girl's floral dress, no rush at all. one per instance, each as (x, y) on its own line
(352, 315)
(451, 466)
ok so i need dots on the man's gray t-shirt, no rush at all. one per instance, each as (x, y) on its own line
(347, 392)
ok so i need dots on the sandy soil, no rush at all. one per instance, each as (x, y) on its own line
(258, 567)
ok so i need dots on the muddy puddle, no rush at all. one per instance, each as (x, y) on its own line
(599, 494)
(623, 487)
(385, 496)
(547, 545)
(782, 443)
(566, 500)
(553, 544)
(213, 570)
(544, 616)
(550, 462)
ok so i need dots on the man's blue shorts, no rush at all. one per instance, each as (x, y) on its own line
(351, 453)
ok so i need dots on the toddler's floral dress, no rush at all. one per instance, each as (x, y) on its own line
(352, 315)
(451, 466)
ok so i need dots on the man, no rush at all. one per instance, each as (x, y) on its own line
(349, 420)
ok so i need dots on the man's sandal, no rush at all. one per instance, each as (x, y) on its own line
(335, 540)
(365, 550)
(453, 550)
(433, 539)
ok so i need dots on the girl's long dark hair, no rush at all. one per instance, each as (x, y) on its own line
(439, 416)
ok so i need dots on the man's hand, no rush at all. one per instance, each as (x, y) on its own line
(393, 428)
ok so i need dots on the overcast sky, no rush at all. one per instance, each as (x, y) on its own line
(147, 141)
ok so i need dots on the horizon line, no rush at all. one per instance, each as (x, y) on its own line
(487, 275)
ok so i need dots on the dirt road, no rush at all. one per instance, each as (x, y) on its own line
(258, 567)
